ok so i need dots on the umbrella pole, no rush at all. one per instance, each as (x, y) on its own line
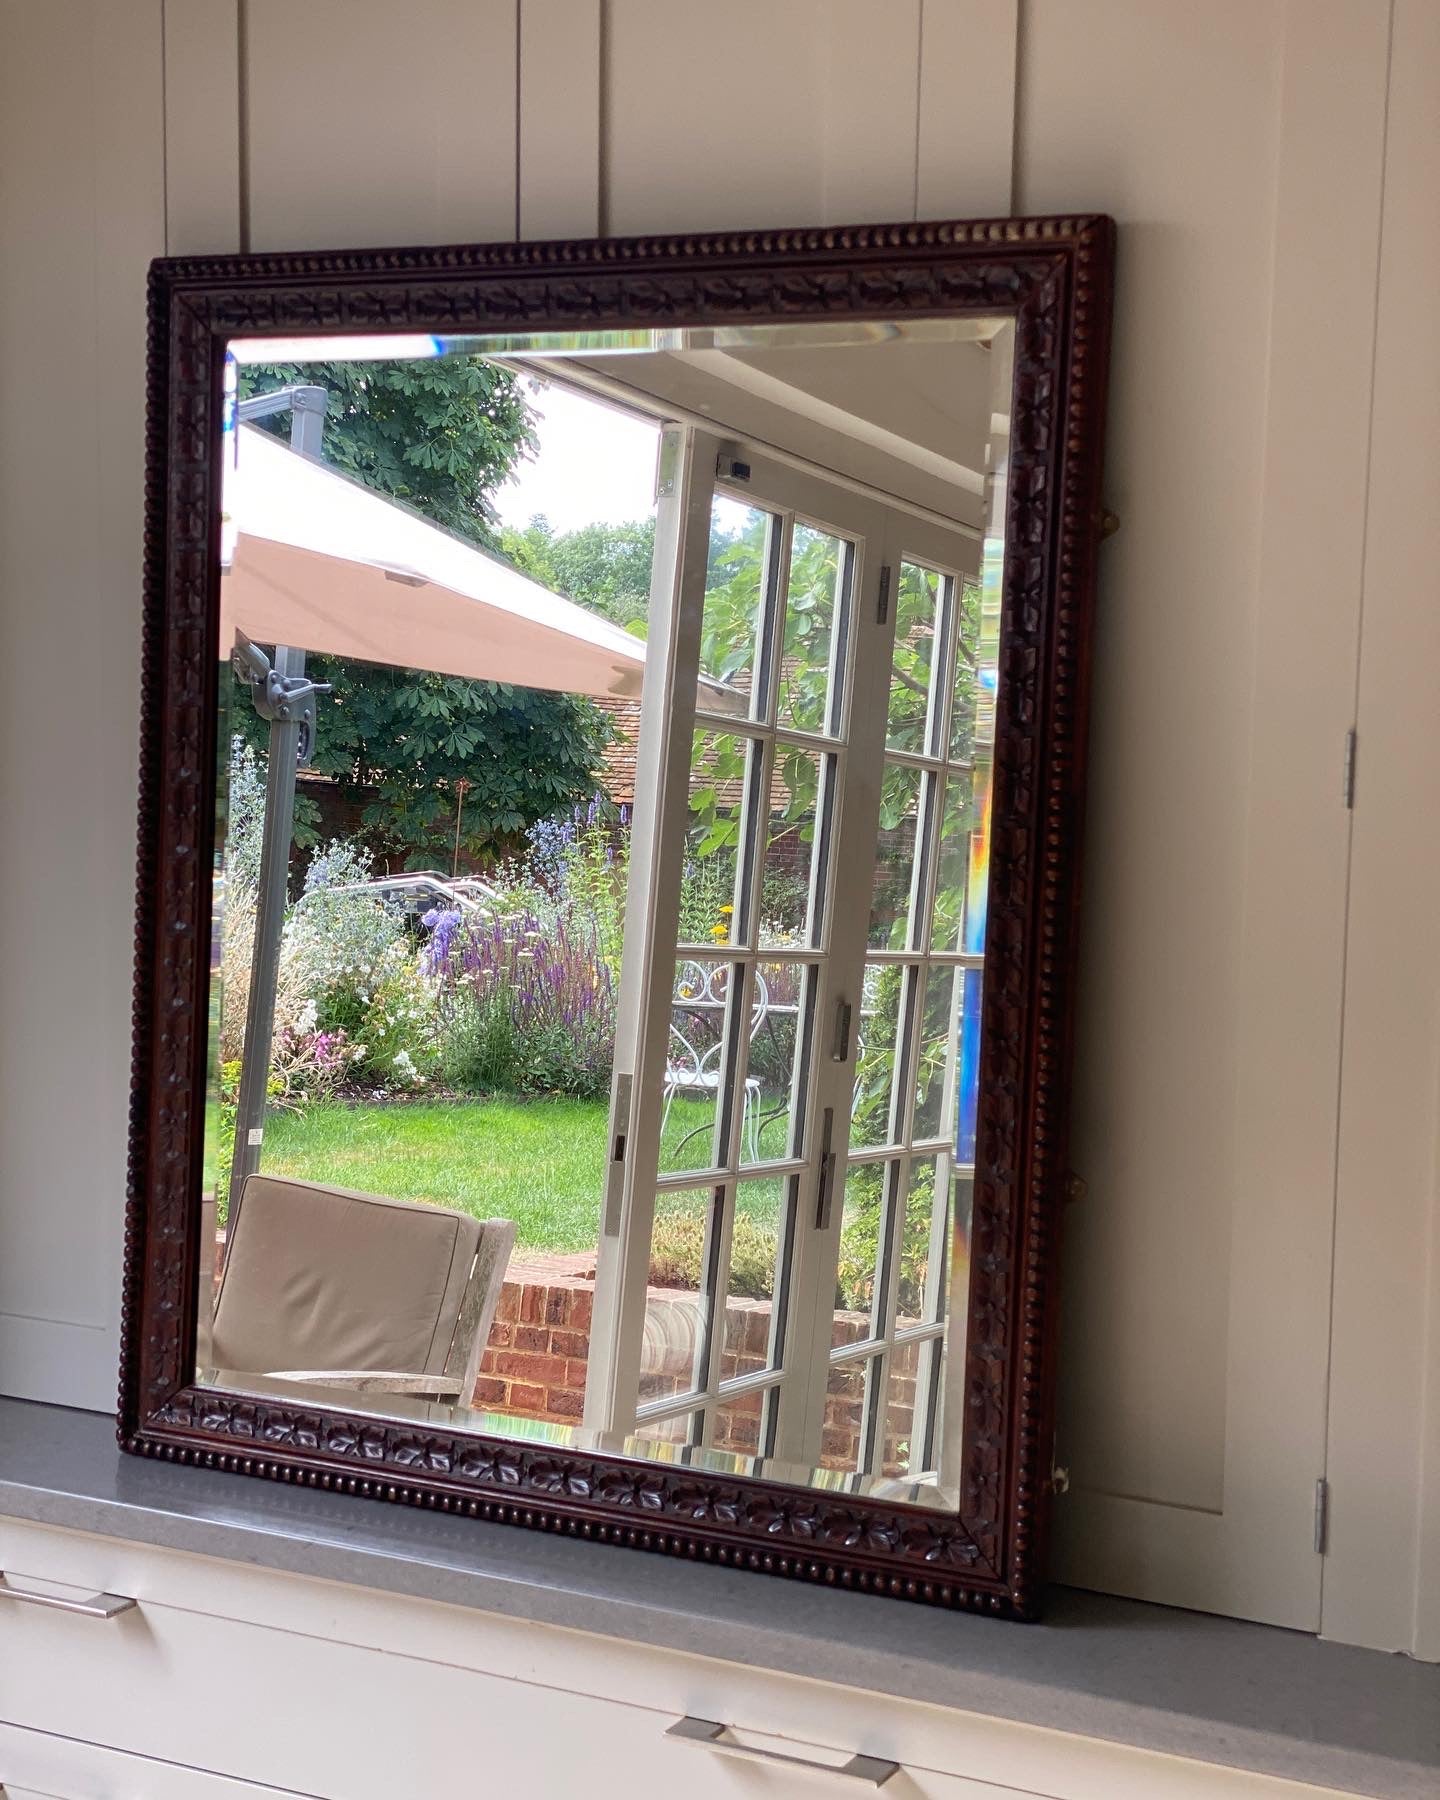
(307, 406)
(269, 929)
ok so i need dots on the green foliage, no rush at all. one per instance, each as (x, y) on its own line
(707, 892)
(864, 1213)
(677, 1245)
(595, 880)
(860, 1241)
(403, 740)
(440, 435)
(603, 567)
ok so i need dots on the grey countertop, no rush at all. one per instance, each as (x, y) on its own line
(1277, 1702)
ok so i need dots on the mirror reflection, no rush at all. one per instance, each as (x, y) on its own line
(606, 730)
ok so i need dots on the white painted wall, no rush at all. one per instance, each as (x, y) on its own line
(81, 213)
(1247, 150)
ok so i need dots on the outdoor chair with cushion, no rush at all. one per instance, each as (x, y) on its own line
(348, 1290)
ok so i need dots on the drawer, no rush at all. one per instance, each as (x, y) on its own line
(316, 1717)
(35, 1766)
(342, 1723)
(326, 1689)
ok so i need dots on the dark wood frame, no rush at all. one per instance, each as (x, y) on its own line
(1055, 276)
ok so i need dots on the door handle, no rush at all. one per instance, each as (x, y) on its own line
(825, 1188)
(870, 1771)
(93, 1606)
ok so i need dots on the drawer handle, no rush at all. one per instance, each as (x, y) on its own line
(873, 1771)
(94, 1606)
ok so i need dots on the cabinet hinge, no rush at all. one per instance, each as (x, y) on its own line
(1322, 1515)
(882, 603)
(1348, 779)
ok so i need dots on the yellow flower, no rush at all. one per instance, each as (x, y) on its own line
(719, 931)
(727, 909)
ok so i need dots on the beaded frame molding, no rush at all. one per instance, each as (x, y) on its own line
(1054, 275)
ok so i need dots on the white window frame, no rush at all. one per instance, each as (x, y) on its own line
(881, 535)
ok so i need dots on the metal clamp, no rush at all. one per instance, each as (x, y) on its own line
(872, 1771)
(93, 1606)
(282, 699)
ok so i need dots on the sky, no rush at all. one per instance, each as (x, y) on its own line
(596, 466)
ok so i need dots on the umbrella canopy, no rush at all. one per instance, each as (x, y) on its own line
(327, 565)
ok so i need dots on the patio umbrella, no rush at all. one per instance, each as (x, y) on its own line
(319, 562)
(313, 562)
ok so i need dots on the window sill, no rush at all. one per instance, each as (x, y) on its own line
(1186, 1684)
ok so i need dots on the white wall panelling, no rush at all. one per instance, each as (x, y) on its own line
(202, 127)
(1198, 1269)
(1239, 145)
(758, 114)
(371, 123)
(560, 109)
(966, 97)
(81, 213)
(1382, 1578)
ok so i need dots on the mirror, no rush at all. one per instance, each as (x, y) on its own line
(608, 731)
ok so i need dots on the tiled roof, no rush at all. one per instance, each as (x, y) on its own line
(617, 772)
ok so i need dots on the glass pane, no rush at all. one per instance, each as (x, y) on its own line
(756, 1234)
(957, 1275)
(718, 767)
(677, 1303)
(693, 1121)
(793, 836)
(842, 1438)
(937, 1064)
(738, 1423)
(967, 1099)
(862, 1228)
(778, 1018)
(734, 603)
(804, 701)
(679, 1430)
(966, 699)
(952, 873)
(895, 857)
(872, 1102)
(900, 1453)
(912, 673)
(921, 1267)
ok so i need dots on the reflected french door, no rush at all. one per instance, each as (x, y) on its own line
(776, 977)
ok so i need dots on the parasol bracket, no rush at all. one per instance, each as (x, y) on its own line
(280, 698)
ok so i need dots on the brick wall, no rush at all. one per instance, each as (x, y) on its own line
(535, 1363)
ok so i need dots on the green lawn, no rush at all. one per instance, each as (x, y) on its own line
(539, 1162)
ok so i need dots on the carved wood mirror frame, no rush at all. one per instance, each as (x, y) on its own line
(1054, 276)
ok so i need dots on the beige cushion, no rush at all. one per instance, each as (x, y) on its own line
(324, 1278)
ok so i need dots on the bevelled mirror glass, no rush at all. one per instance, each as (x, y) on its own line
(620, 738)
